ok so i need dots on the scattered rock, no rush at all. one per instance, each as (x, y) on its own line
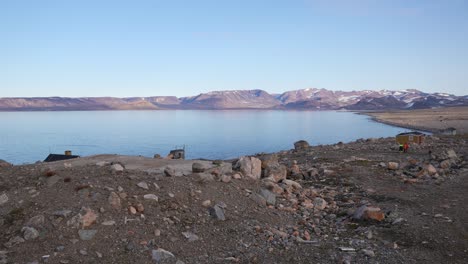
(114, 200)
(62, 213)
(319, 203)
(143, 185)
(276, 172)
(36, 221)
(152, 197)
(217, 212)
(169, 171)
(190, 236)
(117, 168)
(89, 218)
(250, 167)
(29, 233)
(393, 165)
(198, 167)
(368, 253)
(3, 199)
(269, 196)
(86, 234)
(206, 203)
(160, 255)
(205, 177)
(226, 178)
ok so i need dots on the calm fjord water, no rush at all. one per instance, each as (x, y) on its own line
(26, 137)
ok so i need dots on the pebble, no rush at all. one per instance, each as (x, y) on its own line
(108, 223)
(30, 233)
(217, 212)
(190, 236)
(3, 199)
(159, 255)
(143, 185)
(206, 203)
(368, 252)
(86, 234)
(151, 197)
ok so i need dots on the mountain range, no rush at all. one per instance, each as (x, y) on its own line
(305, 99)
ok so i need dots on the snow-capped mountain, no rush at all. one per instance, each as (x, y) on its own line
(307, 99)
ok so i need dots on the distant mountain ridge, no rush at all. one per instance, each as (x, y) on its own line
(305, 99)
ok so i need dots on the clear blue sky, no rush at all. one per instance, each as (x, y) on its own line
(182, 48)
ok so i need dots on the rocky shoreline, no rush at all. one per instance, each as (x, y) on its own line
(358, 202)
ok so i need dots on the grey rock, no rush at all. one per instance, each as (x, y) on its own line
(29, 233)
(151, 197)
(36, 221)
(250, 167)
(169, 171)
(14, 241)
(319, 203)
(217, 212)
(59, 248)
(143, 185)
(205, 177)
(62, 213)
(159, 255)
(190, 236)
(269, 196)
(117, 168)
(368, 252)
(258, 199)
(198, 167)
(130, 246)
(87, 234)
(3, 199)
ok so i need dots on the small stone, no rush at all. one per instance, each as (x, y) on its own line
(206, 203)
(159, 255)
(368, 252)
(89, 218)
(205, 177)
(36, 221)
(83, 252)
(143, 185)
(140, 208)
(190, 236)
(114, 200)
(130, 246)
(108, 223)
(169, 171)
(171, 195)
(98, 254)
(226, 178)
(30, 233)
(117, 168)
(102, 163)
(393, 166)
(3, 199)
(86, 234)
(62, 213)
(347, 249)
(237, 176)
(157, 232)
(269, 196)
(132, 210)
(431, 170)
(59, 248)
(152, 197)
(217, 212)
(319, 203)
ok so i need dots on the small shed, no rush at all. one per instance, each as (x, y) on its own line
(57, 157)
(410, 137)
(451, 131)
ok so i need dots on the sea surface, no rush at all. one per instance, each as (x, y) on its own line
(27, 137)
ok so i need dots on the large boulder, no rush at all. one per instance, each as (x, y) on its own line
(301, 145)
(276, 172)
(250, 167)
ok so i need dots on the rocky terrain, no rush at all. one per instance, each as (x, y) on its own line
(433, 120)
(305, 99)
(361, 202)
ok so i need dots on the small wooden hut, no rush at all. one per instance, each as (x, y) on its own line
(410, 138)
